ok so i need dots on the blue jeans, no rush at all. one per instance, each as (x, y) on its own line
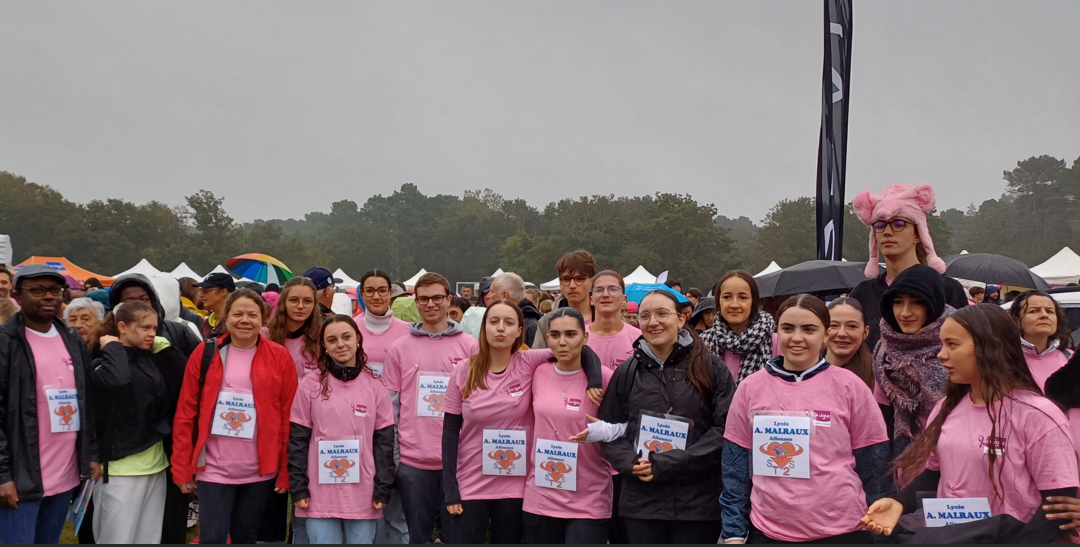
(299, 529)
(232, 511)
(38, 521)
(329, 531)
(422, 501)
(392, 528)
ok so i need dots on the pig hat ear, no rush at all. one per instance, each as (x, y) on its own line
(898, 200)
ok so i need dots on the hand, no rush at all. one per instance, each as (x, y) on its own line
(455, 509)
(104, 340)
(302, 504)
(882, 516)
(596, 395)
(95, 470)
(1061, 508)
(8, 496)
(280, 490)
(378, 504)
(187, 487)
(643, 470)
(583, 437)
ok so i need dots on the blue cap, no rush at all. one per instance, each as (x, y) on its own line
(321, 277)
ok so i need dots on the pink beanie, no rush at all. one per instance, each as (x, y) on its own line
(898, 200)
(271, 298)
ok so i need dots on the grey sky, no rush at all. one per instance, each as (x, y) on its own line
(285, 107)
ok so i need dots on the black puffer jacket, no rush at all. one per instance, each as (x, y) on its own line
(19, 447)
(687, 483)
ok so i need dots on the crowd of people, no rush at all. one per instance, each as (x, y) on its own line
(509, 415)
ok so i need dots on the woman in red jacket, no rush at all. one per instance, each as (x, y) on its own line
(230, 432)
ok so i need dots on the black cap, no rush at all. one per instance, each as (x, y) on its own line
(218, 281)
(321, 277)
(703, 305)
(485, 285)
(32, 271)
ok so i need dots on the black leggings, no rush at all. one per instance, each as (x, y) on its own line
(471, 526)
(540, 529)
(672, 531)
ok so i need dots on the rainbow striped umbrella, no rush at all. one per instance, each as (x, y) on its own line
(260, 267)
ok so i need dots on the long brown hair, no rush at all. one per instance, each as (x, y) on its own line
(1019, 306)
(862, 363)
(755, 294)
(480, 364)
(278, 329)
(1003, 369)
(697, 368)
(325, 359)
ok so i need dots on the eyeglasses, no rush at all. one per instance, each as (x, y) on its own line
(660, 315)
(301, 301)
(40, 291)
(898, 225)
(579, 280)
(437, 299)
(613, 290)
(382, 291)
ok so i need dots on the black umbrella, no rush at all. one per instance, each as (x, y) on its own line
(812, 276)
(992, 268)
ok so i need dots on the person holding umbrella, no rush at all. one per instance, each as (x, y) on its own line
(899, 232)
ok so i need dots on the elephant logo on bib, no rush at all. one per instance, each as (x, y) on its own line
(434, 401)
(659, 446)
(234, 421)
(504, 459)
(556, 472)
(781, 453)
(339, 469)
(66, 413)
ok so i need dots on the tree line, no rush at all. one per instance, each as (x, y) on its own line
(468, 237)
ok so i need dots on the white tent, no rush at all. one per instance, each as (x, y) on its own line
(143, 267)
(346, 281)
(640, 275)
(552, 285)
(772, 267)
(1061, 269)
(183, 270)
(498, 273)
(411, 282)
(221, 269)
(5, 250)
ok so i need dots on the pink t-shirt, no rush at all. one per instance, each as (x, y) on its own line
(1042, 366)
(420, 437)
(844, 418)
(555, 395)
(57, 452)
(615, 349)
(304, 363)
(1032, 435)
(734, 360)
(230, 460)
(377, 344)
(351, 410)
(505, 404)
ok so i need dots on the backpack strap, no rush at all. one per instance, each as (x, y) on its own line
(626, 384)
(209, 349)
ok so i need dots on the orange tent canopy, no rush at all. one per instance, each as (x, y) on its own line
(66, 267)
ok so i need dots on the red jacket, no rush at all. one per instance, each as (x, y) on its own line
(273, 379)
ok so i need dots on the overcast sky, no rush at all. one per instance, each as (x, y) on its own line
(285, 107)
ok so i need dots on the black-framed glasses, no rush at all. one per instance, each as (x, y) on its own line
(437, 299)
(38, 292)
(577, 280)
(381, 291)
(898, 225)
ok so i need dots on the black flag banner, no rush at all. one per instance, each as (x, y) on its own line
(832, 145)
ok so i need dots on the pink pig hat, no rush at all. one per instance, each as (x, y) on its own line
(898, 200)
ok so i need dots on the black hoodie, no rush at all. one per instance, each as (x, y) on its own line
(532, 319)
(179, 336)
(920, 282)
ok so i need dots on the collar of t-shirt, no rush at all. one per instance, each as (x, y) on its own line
(1030, 348)
(345, 374)
(775, 366)
(50, 334)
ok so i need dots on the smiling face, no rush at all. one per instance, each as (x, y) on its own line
(139, 334)
(502, 327)
(957, 353)
(1039, 318)
(244, 320)
(659, 321)
(433, 303)
(376, 295)
(801, 336)
(736, 302)
(607, 296)
(340, 342)
(5, 284)
(84, 321)
(910, 313)
(566, 338)
(846, 331)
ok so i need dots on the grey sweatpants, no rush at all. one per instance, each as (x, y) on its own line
(129, 509)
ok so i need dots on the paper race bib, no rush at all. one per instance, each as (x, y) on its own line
(234, 415)
(948, 511)
(376, 369)
(556, 464)
(502, 450)
(430, 392)
(63, 410)
(782, 446)
(339, 462)
(657, 434)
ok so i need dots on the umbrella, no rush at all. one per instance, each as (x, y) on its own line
(260, 267)
(636, 291)
(812, 276)
(992, 268)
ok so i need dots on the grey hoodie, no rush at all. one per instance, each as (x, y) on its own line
(417, 329)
